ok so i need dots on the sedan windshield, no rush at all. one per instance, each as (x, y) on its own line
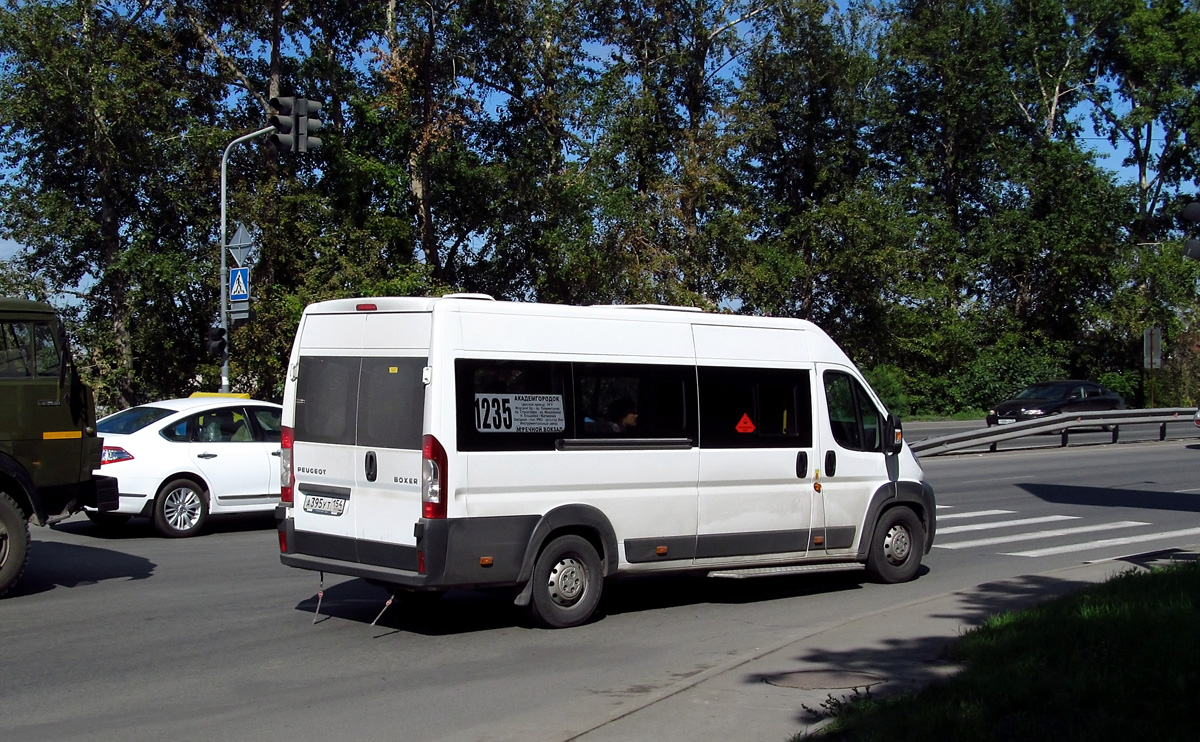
(1043, 391)
(131, 420)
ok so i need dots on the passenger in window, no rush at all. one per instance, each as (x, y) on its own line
(623, 416)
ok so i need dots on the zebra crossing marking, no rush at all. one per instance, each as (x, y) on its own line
(1040, 534)
(1050, 551)
(1005, 524)
(976, 514)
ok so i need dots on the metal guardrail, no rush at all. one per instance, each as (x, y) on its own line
(1061, 423)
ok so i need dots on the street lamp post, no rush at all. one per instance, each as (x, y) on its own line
(224, 265)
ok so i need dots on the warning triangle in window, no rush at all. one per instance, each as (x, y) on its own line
(745, 425)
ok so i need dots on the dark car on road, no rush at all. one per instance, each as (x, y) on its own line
(1052, 397)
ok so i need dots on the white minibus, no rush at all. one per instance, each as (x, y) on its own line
(463, 442)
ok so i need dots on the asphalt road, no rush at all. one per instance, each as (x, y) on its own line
(129, 636)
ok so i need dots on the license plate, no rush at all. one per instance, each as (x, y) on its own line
(1005, 421)
(324, 505)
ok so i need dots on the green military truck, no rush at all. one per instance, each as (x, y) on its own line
(48, 442)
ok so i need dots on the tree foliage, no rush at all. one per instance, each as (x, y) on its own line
(920, 178)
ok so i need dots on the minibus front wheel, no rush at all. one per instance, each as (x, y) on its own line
(899, 542)
(567, 582)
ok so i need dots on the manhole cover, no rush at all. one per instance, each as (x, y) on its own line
(821, 679)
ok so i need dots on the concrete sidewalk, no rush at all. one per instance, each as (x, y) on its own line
(764, 697)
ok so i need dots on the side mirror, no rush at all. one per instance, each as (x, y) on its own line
(894, 442)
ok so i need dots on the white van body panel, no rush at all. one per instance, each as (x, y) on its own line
(738, 482)
(755, 491)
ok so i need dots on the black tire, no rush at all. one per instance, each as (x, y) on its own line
(14, 543)
(567, 582)
(899, 542)
(107, 520)
(180, 509)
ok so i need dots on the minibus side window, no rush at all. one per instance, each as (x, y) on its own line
(755, 408)
(506, 405)
(855, 420)
(625, 400)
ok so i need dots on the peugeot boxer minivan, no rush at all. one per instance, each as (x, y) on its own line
(462, 442)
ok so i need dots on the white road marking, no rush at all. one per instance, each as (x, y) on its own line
(976, 514)
(1106, 543)
(1004, 524)
(1039, 534)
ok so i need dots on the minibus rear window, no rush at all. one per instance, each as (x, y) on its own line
(391, 403)
(327, 399)
(374, 402)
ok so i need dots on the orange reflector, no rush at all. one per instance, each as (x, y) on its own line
(485, 561)
(817, 486)
(59, 435)
(660, 550)
(366, 307)
(818, 540)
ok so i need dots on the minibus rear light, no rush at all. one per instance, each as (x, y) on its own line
(287, 477)
(366, 307)
(434, 477)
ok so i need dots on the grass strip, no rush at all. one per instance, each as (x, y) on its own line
(1120, 660)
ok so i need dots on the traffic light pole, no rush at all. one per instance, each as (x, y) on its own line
(224, 264)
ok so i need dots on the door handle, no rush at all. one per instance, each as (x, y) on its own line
(372, 466)
(206, 455)
(802, 465)
(830, 463)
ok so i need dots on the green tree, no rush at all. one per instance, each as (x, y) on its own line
(107, 114)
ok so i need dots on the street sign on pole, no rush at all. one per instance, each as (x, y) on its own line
(239, 284)
(1152, 348)
(239, 246)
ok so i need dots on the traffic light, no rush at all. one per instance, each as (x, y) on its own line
(294, 121)
(214, 341)
(1191, 248)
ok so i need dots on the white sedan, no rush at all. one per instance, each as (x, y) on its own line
(179, 460)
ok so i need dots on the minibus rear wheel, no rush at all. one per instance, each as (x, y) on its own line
(899, 541)
(567, 582)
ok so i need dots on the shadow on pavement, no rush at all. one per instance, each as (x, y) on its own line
(143, 528)
(464, 611)
(429, 614)
(911, 662)
(1065, 494)
(55, 564)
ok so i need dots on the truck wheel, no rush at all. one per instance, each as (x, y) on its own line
(180, 509)
(899, 542)
(14, 543)
(567, 582)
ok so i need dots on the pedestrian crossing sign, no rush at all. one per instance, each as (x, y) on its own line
(239, 284)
